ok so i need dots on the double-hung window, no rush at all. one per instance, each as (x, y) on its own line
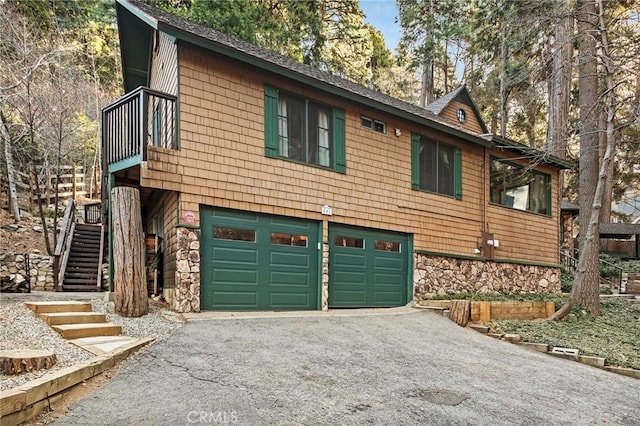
(302, 130)
(436, 166)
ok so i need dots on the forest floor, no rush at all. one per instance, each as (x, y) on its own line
(614, 334)
(28, 237)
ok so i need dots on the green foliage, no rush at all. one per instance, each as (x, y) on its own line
(614, 334)
(566, 280)
(609, 266)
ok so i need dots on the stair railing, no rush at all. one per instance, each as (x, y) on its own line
(63, 244)
(570, 263)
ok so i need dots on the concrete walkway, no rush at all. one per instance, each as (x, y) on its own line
(398, 368)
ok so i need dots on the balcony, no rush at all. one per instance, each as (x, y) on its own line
(141, 118)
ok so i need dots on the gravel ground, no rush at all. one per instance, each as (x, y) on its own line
(20, 328)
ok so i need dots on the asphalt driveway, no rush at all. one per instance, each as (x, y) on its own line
(411, 368)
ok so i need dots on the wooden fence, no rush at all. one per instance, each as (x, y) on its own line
(72, 183)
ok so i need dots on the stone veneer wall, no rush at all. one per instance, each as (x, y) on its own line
(325, 277)
(437, 275)
(40, 275)
(186, 297)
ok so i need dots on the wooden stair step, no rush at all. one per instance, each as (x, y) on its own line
(76, 331)
(59, 318)
(81, 287)
(71, 281)
(51, 307)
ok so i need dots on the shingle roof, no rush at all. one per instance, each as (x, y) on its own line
(620, 229)
(439, 104)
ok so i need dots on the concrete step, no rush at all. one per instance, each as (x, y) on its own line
(77, 331)
(61, 306)
(73, 318)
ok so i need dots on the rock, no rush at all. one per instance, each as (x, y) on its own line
(12, 227)
(21, 230)
(37, 228)
(512, 338)
(35, 251)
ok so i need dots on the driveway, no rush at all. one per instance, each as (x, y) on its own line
(410, 368)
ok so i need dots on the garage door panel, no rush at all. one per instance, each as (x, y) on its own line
(382, 298)
(235, 298)
(236, 255)
(381, 279)
(290, 259)
(289, 300)
(235, 276)
(349, 278)
(347, 299)
(291, 279)
(355, 260)
(388, 263)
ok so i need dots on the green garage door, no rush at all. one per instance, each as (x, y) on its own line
(367, 268)
(257, 262)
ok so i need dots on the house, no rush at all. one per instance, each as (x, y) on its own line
(276, 186)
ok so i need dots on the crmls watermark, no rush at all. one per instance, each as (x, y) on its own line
(213, 417)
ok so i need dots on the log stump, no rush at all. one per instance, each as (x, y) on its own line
(129, 274)
(18, 361)
(460, 312)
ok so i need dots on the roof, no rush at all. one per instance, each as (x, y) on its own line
(531, 153)
(568, 206)
(619, 230)
(137, 21)
(462, 95)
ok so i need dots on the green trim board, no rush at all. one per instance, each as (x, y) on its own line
(110, 219)
(125, 164)
(452, 255)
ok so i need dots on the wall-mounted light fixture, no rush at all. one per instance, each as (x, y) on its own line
(397, 132)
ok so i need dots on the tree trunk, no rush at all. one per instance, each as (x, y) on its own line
(586, 284)
(13, 194)
(560, 87)
(460, 312)
(128, 253)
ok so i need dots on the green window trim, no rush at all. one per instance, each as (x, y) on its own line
(415, 168)
(272, 136)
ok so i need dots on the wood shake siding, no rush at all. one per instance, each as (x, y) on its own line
(164, 66)
(450, 113)
(222, 162)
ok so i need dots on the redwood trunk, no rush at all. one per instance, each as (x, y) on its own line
(128, 253)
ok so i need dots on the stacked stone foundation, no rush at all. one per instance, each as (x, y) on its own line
(440, 276)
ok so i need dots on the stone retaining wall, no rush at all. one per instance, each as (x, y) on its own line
(437, 275)
(14, 275)
(186, 297)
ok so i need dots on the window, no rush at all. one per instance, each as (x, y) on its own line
(349, 242)
(225, 233)
(436, 166)
(302, 130)
(519, 188)
(375, 125)
(382, 245)
(288, 239)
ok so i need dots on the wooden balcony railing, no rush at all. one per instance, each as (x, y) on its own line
(140, 118)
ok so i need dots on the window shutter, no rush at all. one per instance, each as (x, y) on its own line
(457, 172)
(270, 121)
(415, 161)
(339, 140)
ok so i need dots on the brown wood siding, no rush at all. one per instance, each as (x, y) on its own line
(164, 66)
(526, 235)
(449, 113)
(222, 163)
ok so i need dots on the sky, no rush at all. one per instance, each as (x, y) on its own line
(383, 14)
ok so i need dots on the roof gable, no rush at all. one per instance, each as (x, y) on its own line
(449, 105)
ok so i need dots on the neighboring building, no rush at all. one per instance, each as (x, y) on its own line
(276, 186)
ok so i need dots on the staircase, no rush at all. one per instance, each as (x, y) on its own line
(74, 320)
(83, 267)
